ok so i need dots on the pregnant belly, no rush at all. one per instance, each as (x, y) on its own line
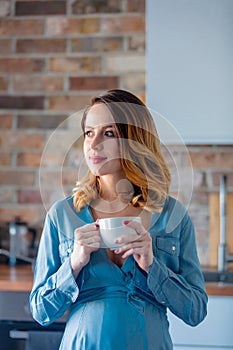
(113, 324)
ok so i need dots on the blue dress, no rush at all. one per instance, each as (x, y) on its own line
(112, 308)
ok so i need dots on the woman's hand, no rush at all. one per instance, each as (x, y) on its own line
(140, 247)
(86, 241)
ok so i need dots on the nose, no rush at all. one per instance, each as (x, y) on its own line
(96, 142)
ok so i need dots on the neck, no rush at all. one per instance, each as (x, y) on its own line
(115, 193)
(109, 186)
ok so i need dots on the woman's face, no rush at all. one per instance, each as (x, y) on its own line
(101, 143)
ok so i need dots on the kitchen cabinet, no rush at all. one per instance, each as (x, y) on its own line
(215, 332)
(18, 330)
(189, 69)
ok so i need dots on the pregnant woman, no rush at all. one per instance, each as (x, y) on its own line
(118, 299)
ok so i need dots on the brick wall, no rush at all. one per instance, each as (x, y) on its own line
(55, 55)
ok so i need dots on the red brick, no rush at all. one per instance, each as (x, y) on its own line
(20, 65)
(32, 159)
(7, 195)
(29, 159)
(40, 45)
(12, 140)
(65, 26)
(29, 196)
(137, 42)
(212, 159)
(6, 121)
(200, 218)
(78, 64)
(37, 83)
(55, 7)
(26, 213)
(54, 158)
(41, 121)
(21, 27)
(136, 6)
(94, 44)
(3, 83)
(22, 102)
(203, 159)
(52, 179)
(182, 180)
(200, 198)
(5, 158)
(225, 160)
(133, 62)
(5, 8)
(135, 81)
(93, 83)
(61, 141)
(68, 102)
(123, 24)
(15, 177)
(87, 6)
(46, 197)
(5, 46)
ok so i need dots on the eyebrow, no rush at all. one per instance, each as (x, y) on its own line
(104, 126)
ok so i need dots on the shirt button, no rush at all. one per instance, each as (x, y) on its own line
(69, 250)
(173, 248)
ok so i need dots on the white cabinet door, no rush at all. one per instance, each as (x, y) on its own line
(189, 68)
(216, 331)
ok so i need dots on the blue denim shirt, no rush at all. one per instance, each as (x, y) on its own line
(174, 281)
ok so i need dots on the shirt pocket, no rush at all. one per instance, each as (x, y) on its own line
(167, 250)
(65, 249)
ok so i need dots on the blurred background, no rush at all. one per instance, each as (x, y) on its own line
(55, 55)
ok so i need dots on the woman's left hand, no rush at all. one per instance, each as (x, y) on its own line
(140, 247)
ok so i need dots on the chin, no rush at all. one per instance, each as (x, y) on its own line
(109, 168)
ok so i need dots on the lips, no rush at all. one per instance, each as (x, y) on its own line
(97, 159)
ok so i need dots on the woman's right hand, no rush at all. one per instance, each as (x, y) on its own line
(86, 241)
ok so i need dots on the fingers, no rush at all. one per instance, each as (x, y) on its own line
(139, 228)
(131, 243)
(138, 244)
(86, 228)
(142, 245)
(133, 251)
(87, 235)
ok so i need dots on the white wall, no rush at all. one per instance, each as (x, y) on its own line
(190, 67)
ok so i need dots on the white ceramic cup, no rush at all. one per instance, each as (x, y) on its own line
(111, 228)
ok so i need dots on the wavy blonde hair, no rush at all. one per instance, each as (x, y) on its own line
(141, 156)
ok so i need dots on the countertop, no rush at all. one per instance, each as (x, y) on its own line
(16, 278)
(19, 278)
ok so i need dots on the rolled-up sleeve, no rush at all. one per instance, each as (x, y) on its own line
(54, 287)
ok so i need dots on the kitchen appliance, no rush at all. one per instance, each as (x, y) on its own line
(19, 243)
(22, 240)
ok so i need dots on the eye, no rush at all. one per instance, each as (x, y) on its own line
(110, 133)
(88, 133)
